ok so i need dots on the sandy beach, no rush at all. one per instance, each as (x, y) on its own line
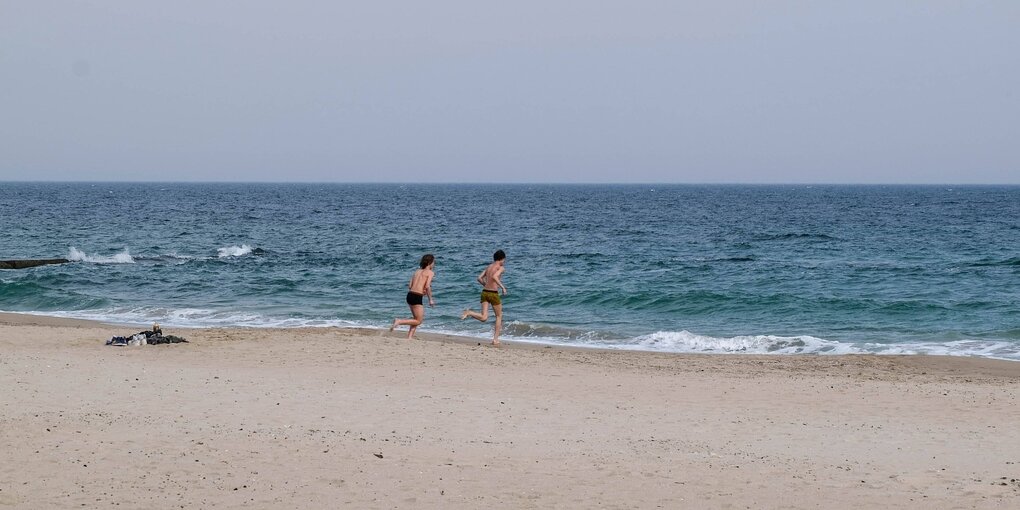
(343, 418)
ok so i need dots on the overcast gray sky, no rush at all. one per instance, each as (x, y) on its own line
(533, 91)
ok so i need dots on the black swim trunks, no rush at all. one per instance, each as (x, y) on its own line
(414, 298)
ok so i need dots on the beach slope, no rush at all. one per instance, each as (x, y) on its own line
(333, 418)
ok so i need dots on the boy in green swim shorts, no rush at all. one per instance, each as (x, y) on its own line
(491, 285)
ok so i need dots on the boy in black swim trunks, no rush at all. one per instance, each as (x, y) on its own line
(420, 286)
(491, 284)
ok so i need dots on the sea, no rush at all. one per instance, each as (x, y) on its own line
(728, 269)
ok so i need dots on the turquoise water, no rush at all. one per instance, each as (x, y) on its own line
(679, 268)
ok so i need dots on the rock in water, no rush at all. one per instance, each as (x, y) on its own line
(26, 263)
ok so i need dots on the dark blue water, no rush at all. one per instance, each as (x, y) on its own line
(782, 269)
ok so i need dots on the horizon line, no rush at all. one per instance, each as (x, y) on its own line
(523, 183)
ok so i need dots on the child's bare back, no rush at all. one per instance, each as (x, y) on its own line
(420, 281)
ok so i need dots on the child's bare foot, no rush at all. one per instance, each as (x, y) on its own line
(464, 315)
(495, 343)
(393, 326)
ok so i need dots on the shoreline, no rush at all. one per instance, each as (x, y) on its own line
(947, 362)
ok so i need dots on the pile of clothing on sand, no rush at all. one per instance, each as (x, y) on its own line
(153, 336)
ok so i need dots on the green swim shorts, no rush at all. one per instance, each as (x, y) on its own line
(491, 296)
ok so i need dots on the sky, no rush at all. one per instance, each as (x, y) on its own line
(734, 91)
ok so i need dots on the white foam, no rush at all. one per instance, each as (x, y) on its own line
(660, 341)
(123, 257)
(196, 318)
(980, 348)
(685, 341)
(234, 251)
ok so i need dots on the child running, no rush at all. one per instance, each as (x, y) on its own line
(491, 285)
(420, 286)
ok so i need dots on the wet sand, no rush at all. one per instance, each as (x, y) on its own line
(333, 418)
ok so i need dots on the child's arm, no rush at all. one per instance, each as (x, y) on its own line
(428, 289)
(499, 279)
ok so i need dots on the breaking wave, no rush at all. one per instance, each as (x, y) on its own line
(196, 318)
(123, 257)
(688, 342)
(235, 251)
(680, 342)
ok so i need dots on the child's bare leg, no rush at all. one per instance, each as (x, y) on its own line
(418, 311)
(405, 322)
(419, 317)
(482, 317)
(498, 309)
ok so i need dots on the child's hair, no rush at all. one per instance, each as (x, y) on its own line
(499, 255)
(426, 259)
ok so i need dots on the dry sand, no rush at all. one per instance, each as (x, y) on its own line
(332, 418)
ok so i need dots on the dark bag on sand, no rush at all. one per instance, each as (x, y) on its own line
(117, 341)
(151, 337)
(168, 339)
